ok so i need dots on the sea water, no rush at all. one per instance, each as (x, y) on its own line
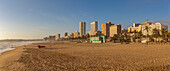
(6, 46)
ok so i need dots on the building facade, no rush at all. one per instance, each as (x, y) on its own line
(136, 27)
(94, 28)
(57, 37)
(51, 38)
(157, 25)
(71, 35)
(82, 29)
(76, 34)
(106, 29)
(115, 29)
(66, 35)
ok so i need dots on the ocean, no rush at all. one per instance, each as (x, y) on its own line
(6, 46)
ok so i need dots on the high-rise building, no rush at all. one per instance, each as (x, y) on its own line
(66, 35)
(82, 29)
(115, 29)
(71, 35)
(51, 37)
(94, 28)
(76, 34)
(57, 37)
(106, 29)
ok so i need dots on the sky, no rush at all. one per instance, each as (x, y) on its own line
(35, 19)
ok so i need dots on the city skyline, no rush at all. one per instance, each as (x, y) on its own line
(31, 19)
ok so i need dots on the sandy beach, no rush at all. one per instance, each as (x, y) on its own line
(64, 56)
(8, 59)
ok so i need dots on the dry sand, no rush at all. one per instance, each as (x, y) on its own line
(64, 56)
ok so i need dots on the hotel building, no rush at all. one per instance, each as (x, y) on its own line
(76, 34)
(115, 29)
(141, 27)
(94, 28)
(57, 37)
(157, 25)
(82, 29)
(136, 27)
(106, 29)
(66, 35)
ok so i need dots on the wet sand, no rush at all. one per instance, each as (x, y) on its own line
(8, 59)
(64, 56)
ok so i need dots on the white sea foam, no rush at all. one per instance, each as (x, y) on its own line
(6, 46)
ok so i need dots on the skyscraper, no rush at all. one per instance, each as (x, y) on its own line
(66, 35)
(82, 29)
(115, 29)
(106, 29)
(57, 37)
(94, 28)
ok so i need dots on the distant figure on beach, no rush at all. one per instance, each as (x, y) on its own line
(39, 46)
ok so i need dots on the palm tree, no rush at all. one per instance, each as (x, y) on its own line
(126, 35)
(147, 28)
(122, 38)
(87, 35)
(155, 32)
(114, 37)
(140, 34)
(130, 31)
(168, 34)
(163, 32)
(135, 33)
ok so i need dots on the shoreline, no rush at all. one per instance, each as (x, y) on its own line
(24, 44)
(8, 50)
(8, 57)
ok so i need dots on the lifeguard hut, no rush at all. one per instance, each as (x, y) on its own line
(99, 39)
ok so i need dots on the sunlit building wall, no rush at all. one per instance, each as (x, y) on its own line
(82, 29)
(115, 29)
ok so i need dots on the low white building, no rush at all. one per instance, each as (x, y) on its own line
(157, 25)
(136, 27)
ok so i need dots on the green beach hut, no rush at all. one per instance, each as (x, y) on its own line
(99, 39)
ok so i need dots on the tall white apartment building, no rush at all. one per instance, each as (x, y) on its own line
(94, 28)
(57, 37)
(82, 29)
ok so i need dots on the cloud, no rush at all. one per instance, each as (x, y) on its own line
(167, 20)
